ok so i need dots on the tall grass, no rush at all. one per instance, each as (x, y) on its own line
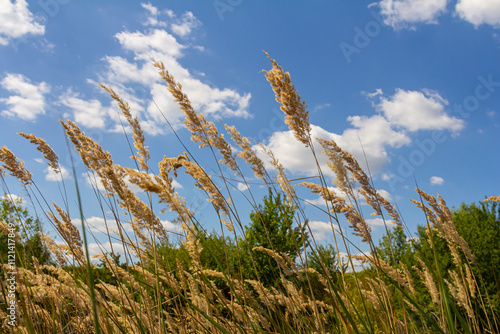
(150, 293)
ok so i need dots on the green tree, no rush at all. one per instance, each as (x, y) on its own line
(29, 243)
(326, 255)
(479, 226)
(395, 247)
(271, 228)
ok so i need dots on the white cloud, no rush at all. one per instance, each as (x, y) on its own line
(88, 113)
(415, 111)
(436, 180)
(321, 230)
(358, 265)
(379, 222)
(371, 134)
(385, 194)
(180, 26)
(187, 23)
(479, 12)
(406, 13)
(125, 74)
(387, 177)
(171, 227)
(98, 224)
(94, 181)
(321, 106)
(319, 201)
(152, 17)
(50, 175)
(242, 186)
(16, 21)
(29, 101)
(157, 40)
(98, 248)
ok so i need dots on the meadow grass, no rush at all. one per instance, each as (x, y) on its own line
(150, 293)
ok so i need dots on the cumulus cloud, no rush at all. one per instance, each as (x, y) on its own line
(321, 230)
(171, 227)
(98, 224)
(379, 222)
(127, 75)
(88, 113)
(152, 17)
(105, 248)
(436, 180)
(16, 21)
(187, 23)
(385, 194)
(407, 13)
(242, 186)
(28, 101)
(157, 40)
(479, 12)
(368, 136)
(418, 110)
(51, 175)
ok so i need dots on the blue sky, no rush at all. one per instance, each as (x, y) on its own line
(417, 83)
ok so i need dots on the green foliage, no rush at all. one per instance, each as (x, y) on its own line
(271, 228)
(171, 253)
(324, 257)
(479, 225)
(30, 243)
(394, 247)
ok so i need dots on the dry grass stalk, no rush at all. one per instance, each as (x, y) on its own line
(373, 198)
(493, 199)
(69, 233)
(14, 165)
(402, 277)
(428, 280)
(47, 151)
(203, 182)
(358, 223)
(278, 258)
(54, 248)
(409, 280)
(281, 178)
(142, 150)
(4, 227)
(247, 153)
(338, 203)
(471, 282)
(459, 292)
(91, 154)
(143, 215)
(193, 122)
(202, 131)
(297, 117)
(441, 217)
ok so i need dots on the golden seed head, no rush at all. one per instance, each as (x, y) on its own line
(14, 165)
